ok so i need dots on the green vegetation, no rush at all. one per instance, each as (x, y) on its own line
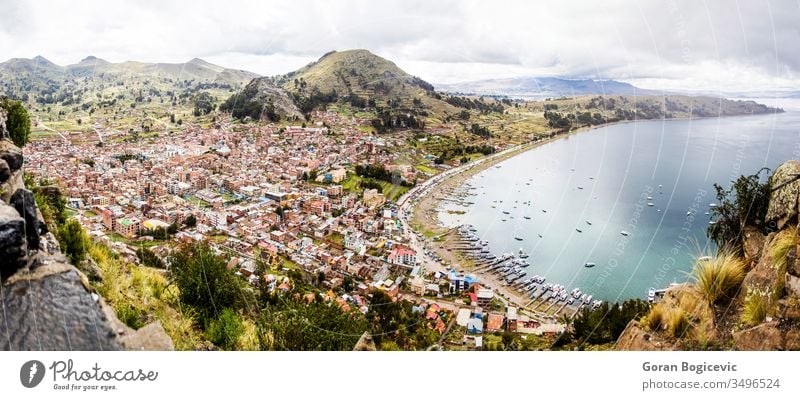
(74, 241)
(688, 316)
(755, 307)
(286, 323)
(719, 276)
(204, 282)
(149, 259)
(605, 323)
(785, 241)
(743, 204)
(18, 123)
(225, 330)
(129, 97)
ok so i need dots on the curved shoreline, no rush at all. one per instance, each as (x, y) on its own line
(425, 220)
(427, 203)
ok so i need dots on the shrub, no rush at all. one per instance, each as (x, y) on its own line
(717, 277)
(785, 241)
(654, 320)
(744, 203)
(755, 307)
(677, 323)
(204, 282)
(73, 240)
(18, 122)
(130, 315)
(225, 330)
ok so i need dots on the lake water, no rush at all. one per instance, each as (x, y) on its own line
(618, 167)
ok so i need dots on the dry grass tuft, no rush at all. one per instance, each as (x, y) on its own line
(717, 277)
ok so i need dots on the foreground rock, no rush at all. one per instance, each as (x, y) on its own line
(47, 303)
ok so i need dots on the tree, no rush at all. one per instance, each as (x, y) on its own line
(73, 241)
(191, 221)
(204, 281)
(149, 259)
(287, 323)
(605, 323)
(744, 203)
(18, 123)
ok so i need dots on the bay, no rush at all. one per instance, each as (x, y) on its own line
(586, 188)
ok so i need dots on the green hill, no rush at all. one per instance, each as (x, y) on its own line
(355, 79)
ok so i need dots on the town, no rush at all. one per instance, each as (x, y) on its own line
(287, 197)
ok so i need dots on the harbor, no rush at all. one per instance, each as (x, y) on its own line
(510, 271)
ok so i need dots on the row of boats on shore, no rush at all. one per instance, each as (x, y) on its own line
(512, 269)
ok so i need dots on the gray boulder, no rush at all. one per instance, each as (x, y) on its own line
(25, 204)
(52, 309)
(13, 246)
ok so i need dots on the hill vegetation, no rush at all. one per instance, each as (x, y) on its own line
(128, 96)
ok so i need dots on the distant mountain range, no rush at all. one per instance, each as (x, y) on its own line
(39, 71)
(540, 88)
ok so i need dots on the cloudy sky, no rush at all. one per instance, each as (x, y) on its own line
(727, 45)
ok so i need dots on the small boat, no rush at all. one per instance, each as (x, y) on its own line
(518, 238)
(506, 212)
(688, 213)
(624, 233)
(526, 217)
(579, 231)
(522, 254)
(540, 235)
(712, 205)
(649, 197)
(651, 295)
(588, 222)
(544, 211)
(650, 204)
(580, 187)
(589, 265)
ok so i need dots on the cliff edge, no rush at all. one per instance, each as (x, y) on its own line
(47, 303)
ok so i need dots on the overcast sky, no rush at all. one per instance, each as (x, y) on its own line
(728, 45)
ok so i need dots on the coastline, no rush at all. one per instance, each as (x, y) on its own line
(425, 220)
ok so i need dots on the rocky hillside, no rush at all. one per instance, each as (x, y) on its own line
(49, 304)
(262, 99)
(740, 301)
(359, 76)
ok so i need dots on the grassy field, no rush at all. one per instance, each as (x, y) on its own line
(390, 190)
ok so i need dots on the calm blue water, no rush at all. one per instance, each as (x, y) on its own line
(674, 162)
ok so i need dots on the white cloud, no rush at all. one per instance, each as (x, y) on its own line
(671, 43)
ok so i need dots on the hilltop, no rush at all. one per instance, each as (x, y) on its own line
(356, 73)
(364, 80)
